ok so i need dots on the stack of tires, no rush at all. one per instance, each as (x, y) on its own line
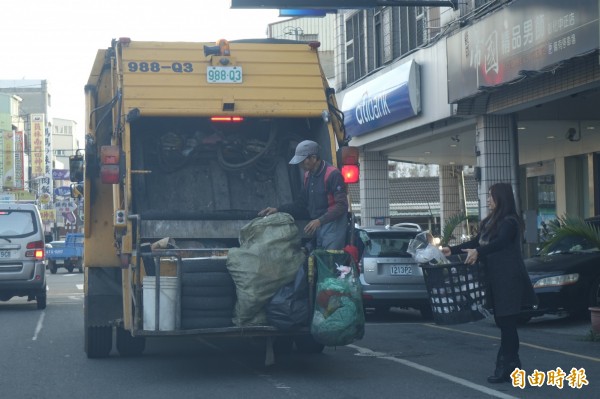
(207, 294)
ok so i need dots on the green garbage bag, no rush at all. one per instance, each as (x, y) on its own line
(268, 258)
(338, 317)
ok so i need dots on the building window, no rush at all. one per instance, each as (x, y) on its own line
(388, 51)
(383, 46)
(413, 24)
(355, 48)
(378, 27)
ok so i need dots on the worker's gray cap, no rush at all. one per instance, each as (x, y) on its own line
(304, 149)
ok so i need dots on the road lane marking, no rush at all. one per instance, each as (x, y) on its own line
(39, 325)
(79, 286)
(429, 370)
(594, 359)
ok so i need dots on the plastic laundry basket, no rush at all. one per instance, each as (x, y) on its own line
(457, 292)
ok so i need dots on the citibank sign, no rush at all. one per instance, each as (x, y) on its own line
(386, 99)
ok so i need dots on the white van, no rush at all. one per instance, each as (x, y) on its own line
(22, 254)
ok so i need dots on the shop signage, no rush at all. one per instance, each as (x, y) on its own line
(389, 98)
(63, 191)
(60, 174)
(524, 37)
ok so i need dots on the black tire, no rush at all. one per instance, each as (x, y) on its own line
(203, 265)
(426, 312)
(98, 342)
(206, 322)
(190, 290)
(307, 344)
(207, 303)
(129, 346)
(81, 269)
(52, 267)
(283, 345)
(198, 314)
(208, 279)
(69, 268)
(41, 300)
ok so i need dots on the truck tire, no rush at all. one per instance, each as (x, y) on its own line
(283, 345)
(52, 266)
(307, 344)
(40, 299)
(69, 267)
(207, 291)
(98, 342)
(207, 303)
(129, 346)
(202, 265)
(206, 322)
(193, 313)
(208, 279)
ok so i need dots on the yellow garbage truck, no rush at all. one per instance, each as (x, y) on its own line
(185, 143)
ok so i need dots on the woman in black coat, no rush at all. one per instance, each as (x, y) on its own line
(497, 247)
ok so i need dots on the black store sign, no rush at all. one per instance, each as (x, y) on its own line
(527, 35)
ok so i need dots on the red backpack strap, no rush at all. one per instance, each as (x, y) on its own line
(328, 171)
(330, 199)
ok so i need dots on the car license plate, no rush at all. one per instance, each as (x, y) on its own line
(5, 254)
(224, 74)
(401, 270)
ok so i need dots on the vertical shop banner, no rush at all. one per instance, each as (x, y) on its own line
(19, 161)
(37, 145)
(8, 149)
(49, 187)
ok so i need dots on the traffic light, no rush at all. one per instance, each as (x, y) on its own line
(76, 167)
(76, 190)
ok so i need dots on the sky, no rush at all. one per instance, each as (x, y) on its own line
(57, 40)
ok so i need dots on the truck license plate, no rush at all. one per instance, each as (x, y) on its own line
(401, 270)
(224, 74)
(5, 254)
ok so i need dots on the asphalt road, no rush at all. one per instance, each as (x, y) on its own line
(401, 356)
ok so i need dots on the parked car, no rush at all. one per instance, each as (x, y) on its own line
(22, 254)
(567, 278)
(389, 275)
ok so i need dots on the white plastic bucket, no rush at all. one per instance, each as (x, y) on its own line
(168, 303)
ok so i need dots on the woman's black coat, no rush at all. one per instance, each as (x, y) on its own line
(509, 287)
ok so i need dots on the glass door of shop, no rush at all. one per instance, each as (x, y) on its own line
(541, 195)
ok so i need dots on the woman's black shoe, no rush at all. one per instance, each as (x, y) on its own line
(503, 369)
